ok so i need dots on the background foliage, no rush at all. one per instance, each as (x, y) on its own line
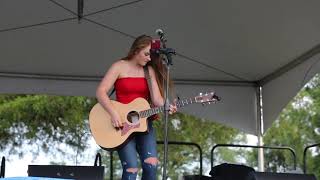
(297, 127)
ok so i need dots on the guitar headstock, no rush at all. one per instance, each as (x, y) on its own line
(207, 98)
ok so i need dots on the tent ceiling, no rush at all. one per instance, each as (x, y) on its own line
(43, 46)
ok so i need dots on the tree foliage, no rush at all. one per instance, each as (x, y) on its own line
(298, 126)
(43, 121)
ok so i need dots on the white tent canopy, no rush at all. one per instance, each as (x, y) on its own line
(231, 47)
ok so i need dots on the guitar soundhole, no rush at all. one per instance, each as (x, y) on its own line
(133, 117)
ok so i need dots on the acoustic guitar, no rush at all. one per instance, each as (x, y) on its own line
(134, 117)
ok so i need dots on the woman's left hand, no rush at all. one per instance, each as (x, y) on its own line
(173, 108)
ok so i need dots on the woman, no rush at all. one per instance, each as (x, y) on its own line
(128, 78)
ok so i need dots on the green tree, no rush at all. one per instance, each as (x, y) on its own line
(298, 126)
(44, 121)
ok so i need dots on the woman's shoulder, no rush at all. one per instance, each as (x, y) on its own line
(120, 64)
(117, 67)
(151, 70)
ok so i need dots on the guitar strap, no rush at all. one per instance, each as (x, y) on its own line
(113, 90)
(147, 75)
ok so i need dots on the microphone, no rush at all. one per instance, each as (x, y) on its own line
(159, 32)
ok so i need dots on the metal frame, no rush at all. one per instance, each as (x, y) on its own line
(3, 167)
(169, 142)
(305, 156)
(188, 144)
(257, 147)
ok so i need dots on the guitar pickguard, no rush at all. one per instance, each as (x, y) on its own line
(127, 127)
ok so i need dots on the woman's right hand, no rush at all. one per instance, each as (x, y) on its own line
(116, 120)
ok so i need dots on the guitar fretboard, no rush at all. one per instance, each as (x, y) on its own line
(153, 111)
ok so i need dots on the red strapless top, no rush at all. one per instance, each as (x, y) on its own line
(130, 88)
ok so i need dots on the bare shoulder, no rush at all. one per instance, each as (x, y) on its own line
(151, 70)
(118, 65)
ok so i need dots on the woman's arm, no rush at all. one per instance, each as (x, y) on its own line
(101, 93)
(156, 96)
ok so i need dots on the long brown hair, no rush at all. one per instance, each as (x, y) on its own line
(156, 61)
(161, 73)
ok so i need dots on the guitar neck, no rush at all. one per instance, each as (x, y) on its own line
(156, 110)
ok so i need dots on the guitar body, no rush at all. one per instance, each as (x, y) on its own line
(109, 137)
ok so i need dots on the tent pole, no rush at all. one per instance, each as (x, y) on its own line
(260, 155)
(260, 129)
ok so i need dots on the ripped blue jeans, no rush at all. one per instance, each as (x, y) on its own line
(145, 145)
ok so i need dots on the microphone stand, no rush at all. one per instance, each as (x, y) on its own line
(168, 61)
